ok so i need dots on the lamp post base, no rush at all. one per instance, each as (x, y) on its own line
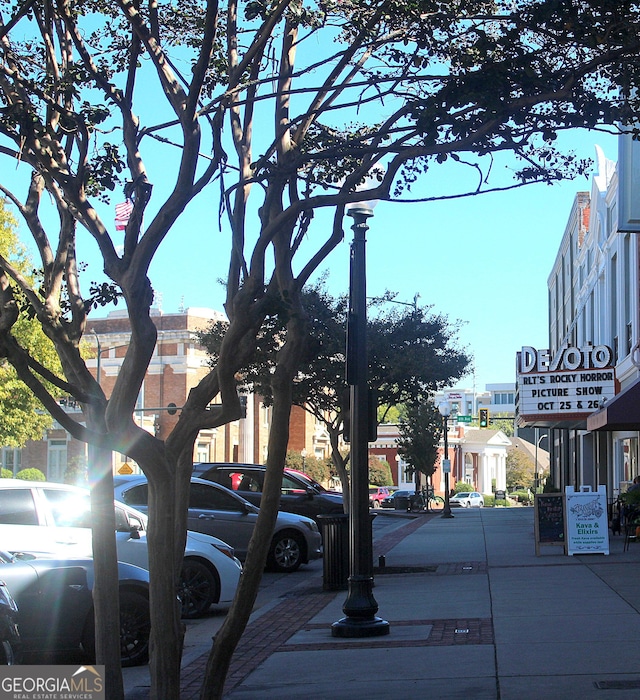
(448, 514)
(360, 609)
(353, 627)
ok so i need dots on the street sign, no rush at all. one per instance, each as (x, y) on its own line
(446, 466)
(125, 469)
(464, 419)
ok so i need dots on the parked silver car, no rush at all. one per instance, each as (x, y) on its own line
(217, 511)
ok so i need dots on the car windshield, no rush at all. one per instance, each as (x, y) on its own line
(462, 495)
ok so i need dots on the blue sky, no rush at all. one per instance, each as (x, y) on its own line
(482, 260)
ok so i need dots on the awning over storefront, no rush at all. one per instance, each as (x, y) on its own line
(620, 413)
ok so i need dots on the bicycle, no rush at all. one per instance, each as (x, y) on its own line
(427, 501)
(436, 503)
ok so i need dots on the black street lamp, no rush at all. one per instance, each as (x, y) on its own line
(360, 606)
(445, 412)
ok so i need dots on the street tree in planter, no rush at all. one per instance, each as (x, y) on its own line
(411, 352)
(93, 94)
(420, 431)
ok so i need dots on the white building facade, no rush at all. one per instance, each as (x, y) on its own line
(593, 301)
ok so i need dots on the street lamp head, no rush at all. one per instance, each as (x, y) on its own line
(365, 208)
(445, 409)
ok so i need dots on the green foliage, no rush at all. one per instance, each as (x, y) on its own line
(419, 437)
(31, 474)
(379, 472)
(411, 353)
(631, 498)
(469, 86)
(6, 474)
(318, 469)
(76, 472)
(23, 416)
(390, 414)
(523, 496)
(520, 469)
(463, 487)
(549, 486)
(503, 423)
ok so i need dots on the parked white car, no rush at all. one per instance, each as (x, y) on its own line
(468, 499)
(48, 518)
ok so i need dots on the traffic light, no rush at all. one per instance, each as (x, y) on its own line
(483, 415)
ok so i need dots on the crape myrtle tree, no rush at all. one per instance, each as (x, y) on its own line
(420, 431)
(169, 94)
(411, 353)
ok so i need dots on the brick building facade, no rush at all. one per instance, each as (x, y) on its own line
(179, 362)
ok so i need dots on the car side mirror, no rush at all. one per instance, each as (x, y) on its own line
(310, 493)
(134, 532)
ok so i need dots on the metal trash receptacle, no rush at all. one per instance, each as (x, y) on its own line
(401, 502)
(335, 545)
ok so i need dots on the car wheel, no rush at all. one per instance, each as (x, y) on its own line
(8, 657)
(198, 589)
(285, 554)
(135, 626)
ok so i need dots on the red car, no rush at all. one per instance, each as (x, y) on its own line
(377, 494)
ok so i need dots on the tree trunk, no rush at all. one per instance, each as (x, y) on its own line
(237, 618)
(341, 466)
(167, 629)
(105, 563)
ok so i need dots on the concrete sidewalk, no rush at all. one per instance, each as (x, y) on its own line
(489, 620)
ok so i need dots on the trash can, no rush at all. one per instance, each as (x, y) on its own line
(402, 502)
(335, 544)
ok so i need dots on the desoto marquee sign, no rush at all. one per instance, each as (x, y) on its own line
(566, 387)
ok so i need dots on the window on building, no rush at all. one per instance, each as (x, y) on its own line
(56, 460)
(202, 452)
(12, 459)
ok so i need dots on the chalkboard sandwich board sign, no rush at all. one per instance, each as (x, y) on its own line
(550, 520)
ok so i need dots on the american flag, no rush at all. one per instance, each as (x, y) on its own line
(123, 212)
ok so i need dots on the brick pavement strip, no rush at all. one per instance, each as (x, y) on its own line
(269, 633)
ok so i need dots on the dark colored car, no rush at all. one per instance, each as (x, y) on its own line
(10, 642)
(55, 605)
(300, 493)
(390, 501)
